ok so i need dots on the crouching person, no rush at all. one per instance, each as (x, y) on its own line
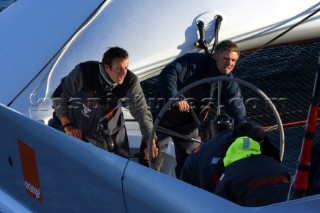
(251, 178)
(201, 168)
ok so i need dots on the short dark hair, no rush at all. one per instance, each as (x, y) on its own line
(112, 53)
(251, 130)
(227, 45)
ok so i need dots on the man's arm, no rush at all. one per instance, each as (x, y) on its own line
(139, 110)
(69, 85)
(180, 73)
(68, 127)
(175, 74)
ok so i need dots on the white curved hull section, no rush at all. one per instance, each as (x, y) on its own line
(153, 32)
(69, 175)
(38, 35)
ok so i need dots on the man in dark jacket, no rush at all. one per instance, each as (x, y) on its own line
(251, 178)
(184, 71)
(87, 103)
(202, 167)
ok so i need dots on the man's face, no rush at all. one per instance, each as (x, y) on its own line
(226, 61)
(118, 70)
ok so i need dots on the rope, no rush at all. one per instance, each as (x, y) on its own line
(288, 124)
(277, 37)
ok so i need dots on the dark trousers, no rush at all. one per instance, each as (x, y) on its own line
(180, 123)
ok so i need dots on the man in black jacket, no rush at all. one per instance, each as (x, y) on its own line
(184, 71)
(88, 105)
(202, 167)
(251, 178)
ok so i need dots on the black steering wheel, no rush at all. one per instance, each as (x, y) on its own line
(167, 106)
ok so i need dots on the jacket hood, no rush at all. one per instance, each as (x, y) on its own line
(241, 148)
